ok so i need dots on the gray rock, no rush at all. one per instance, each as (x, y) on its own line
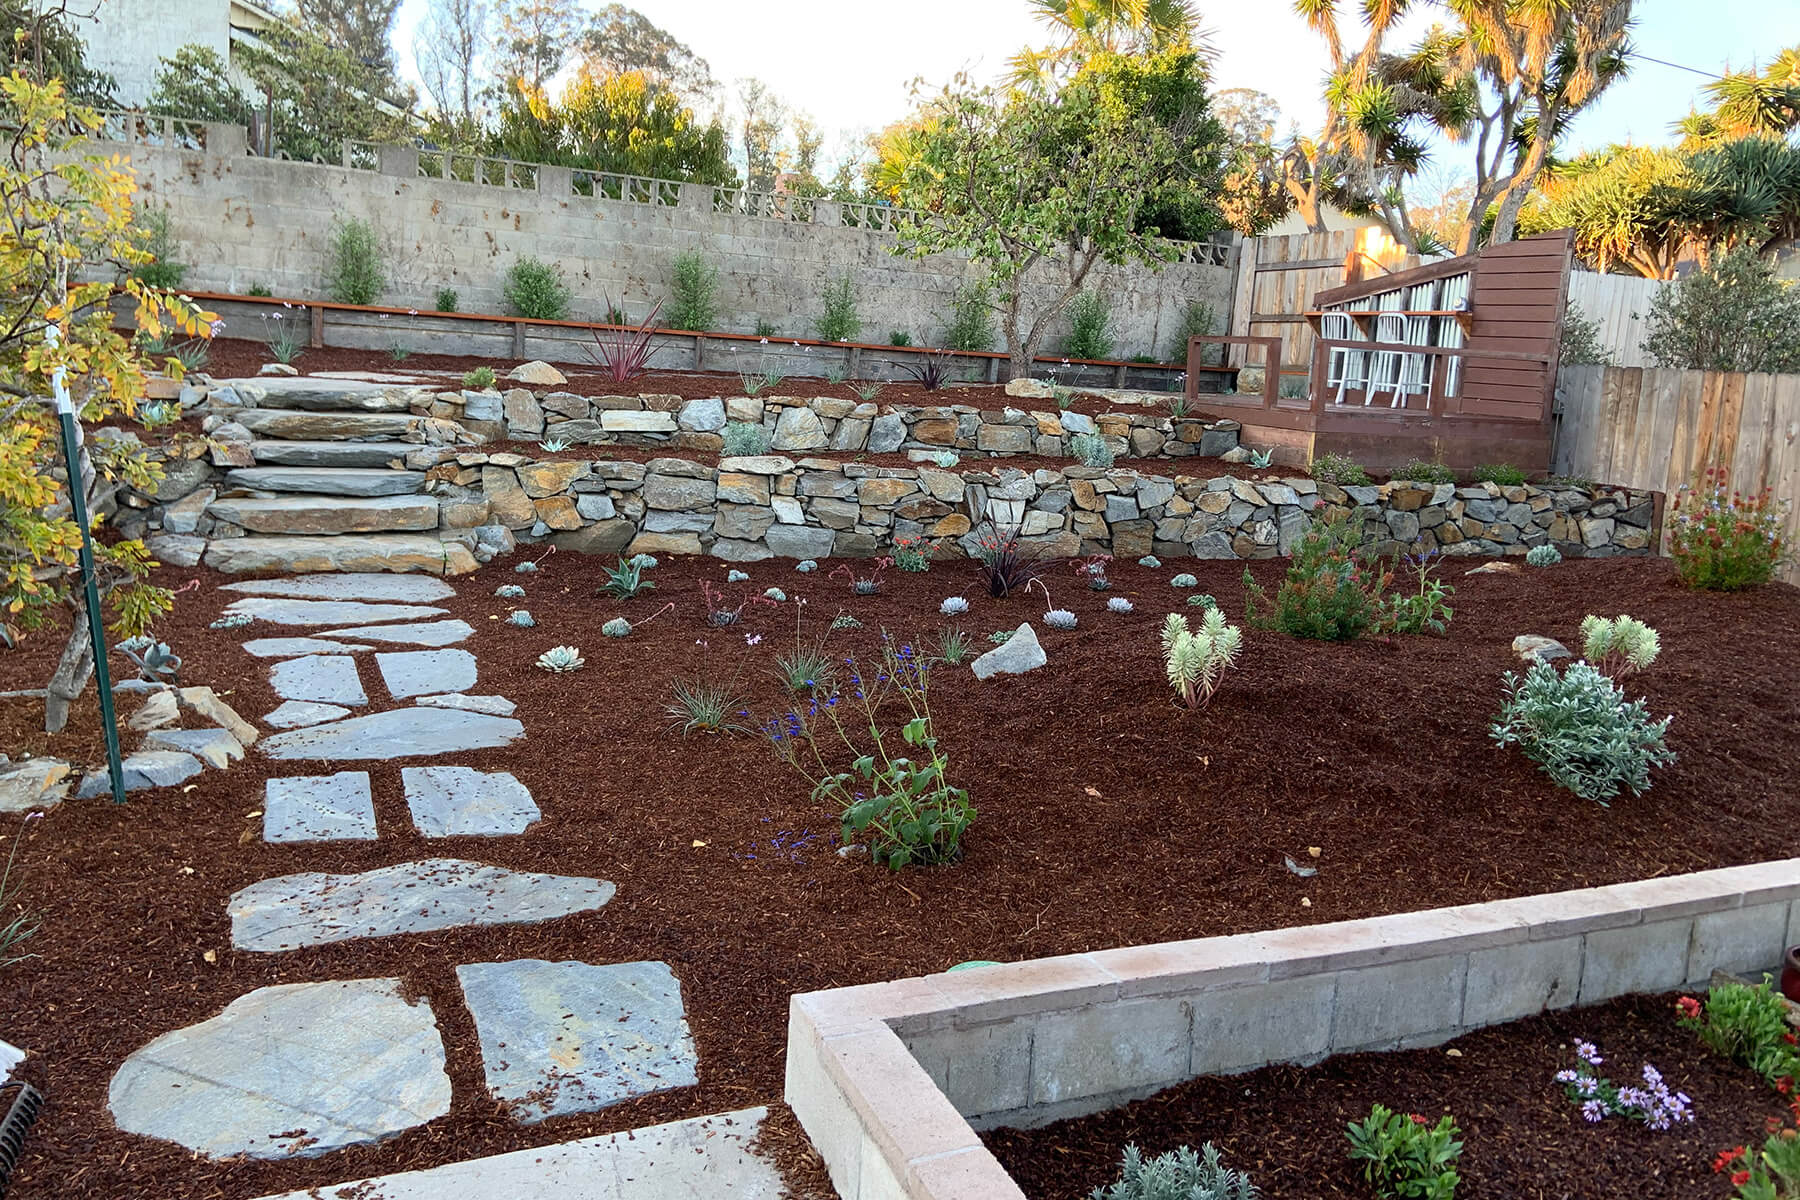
(423, 672)
(319, 808)
(675, 493)
(397, 733)
(294, 714)
(499, 706)
(287, 647)
(703, 416)
(1215, 545)
(1403, 525)
(184, 515)
(482, 406)
(1018, 654)
(179, 478)
(798, 428)
(1534, 648)
(739, 551)
(1075, 424)
(313, 908)
(800, 541)
(327, 678)
(34, 783)
(1121, 508)
(523, 416)
(424, 552)
(569, 1037)
(1216, 443)
(214, 747)
(325, 454)
(336, 481)
(463, 802)
(176, 549)
(283, 611)
(296, 1070)
(420, 633)
(143, 771)
(886, 433)
(626, 421)
(308, 516)
(595, 506)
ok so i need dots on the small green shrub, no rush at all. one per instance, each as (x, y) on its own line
(1503, 474)
(535, 289)
(1747, 1024)
(1723, 540)
(1340, 469)
(1326, 593)
(1545, 555)
(479, 380)
(1620, 646)
(1178, 1175)
(1090, 327)
(693, 293)
(158, 240)
(446, 300)
(1196, 321)
(952, 647)
(839, 322)
(1419, 471)
(1735, 316)
(1196, 662)
(1091, 450)
(744, 438)
(1772, 1173)
(1581, 344)
(912, 554)
(353, 270)
(1425, 609)
(765, 328)
(899, 337)
(971, 324)
(1405, 1157)
(259, 289)
(1579, 728)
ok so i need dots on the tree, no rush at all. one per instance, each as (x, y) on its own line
(620, 39)
(1621, 205)
(448, 48)
(360, 28)
(1745, 102)
(1439, 218)
(629, 124)
(195, 83)
(42, 44)
(1735, 317)
(762, 116)
(1251, 197)
(1087, 27)
(318, 95)
(68, 217)
(1031, 183)
(1248, 117)
(532, 39)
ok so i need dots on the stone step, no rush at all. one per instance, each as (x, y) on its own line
(401, 552)
(310, 515)
(328, 481)
(330, 454)
(303, 394)
(331, 426)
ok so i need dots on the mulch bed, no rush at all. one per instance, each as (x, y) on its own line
(1107, 817)
(1521, 1137)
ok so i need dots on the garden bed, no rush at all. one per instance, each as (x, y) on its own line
(1521, 1136)
(1107, 817)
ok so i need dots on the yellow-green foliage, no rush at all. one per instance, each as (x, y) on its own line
(1621, 646)
(1196, 661)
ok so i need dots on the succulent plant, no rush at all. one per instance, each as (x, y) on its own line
(954, 606)
(1060, 618)
(946, 458)
(1001, 636)
(1150, 560)
(561, 659)
(526, 568)
(155, 662)
(1184, 580)
(866, 587)
(521, 618)
(1545, 555)
(510, 591)
(617, 627)
(775, 594)
(1118, 604)
(736, 576)
(232, 620)
(845, 621)
(725, 616)
(1260, 459)
(553, 445)
(806, 565)
(1203, 600)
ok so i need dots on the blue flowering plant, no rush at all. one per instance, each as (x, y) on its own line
(865, 742)
(1653, 1103)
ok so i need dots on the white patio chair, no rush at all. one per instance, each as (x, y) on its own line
(1342, 366)
(1394, 370)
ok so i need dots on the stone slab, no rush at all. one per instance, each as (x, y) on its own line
(350, 585)
(424, 552)
(319, 808)
(314, 908)
(292, 714)
(306, 515)
(410, 673)
(499, 706)
(214, 747)
(281, 610)
(288, 647)
(144, 771)
(463, 802)
(328, 481)
(295, 1070)
(706, 1158)
(34, 783)
(570, 1037)
(397, 733)
(329, 454)
(325, 678)
(416, 633)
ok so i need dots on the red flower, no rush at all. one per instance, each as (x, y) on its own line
(1417, 1119)
(1688, 1007)
(1740, 1178)
(1727, 1157)
(1785, 1085)
(1790, 1039)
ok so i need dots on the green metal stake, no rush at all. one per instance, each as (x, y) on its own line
(65, 410)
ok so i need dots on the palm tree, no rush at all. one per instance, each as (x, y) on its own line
(1088, 27)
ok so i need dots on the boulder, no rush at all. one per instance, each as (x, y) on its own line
(1018, 654)
(537, 373)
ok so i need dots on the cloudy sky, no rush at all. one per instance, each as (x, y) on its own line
(850, 64)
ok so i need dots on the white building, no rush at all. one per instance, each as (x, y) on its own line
(126, 38)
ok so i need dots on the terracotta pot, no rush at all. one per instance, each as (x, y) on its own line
(1790, 974)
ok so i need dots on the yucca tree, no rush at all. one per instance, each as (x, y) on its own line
(1745, 102)
(1084, 28)
(1630, 208)
(1744, 192)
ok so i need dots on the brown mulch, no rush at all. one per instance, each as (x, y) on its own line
(1521, 1136)
(1107, 817)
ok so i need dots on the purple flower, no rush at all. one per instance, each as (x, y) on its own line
(1588, 1053)
(1594, 1111)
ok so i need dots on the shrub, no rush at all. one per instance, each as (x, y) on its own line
(1735, 317)
(1196, 321)
(1326, 593)
(1424, 610)
(1090, 327)
(1403, 1156)
(1503, 474)
(839, 322)
(1619, 647)
(259, 289)
(1579, 728)
(479, 380)
(353, 271)
(1580, 337)
(1725, 541)
(1545, 555)
(535, 289)
(625, 353)
(930, 371)
(912, 554)
(1747, 1024)
(693, 293)
(1091, 450)
(1340, 469)
(744, 438)
(971, 325)
(159, 242)
(1653, 1104)
(1196, 662)
(446, 300)
(896, 793)
(1178, 1175)
(1773, 1173)
(899, 337)
(1419, 471)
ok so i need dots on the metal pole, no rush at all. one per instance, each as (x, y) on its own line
(65, 410)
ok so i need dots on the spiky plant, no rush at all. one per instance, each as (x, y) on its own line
(1196, 661)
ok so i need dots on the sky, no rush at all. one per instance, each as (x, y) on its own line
(850, 64)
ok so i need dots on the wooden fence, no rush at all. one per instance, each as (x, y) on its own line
(1658, 428)
(1620, 305)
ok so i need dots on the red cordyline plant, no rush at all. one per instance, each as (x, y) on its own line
(625, 352)
(1004, 567)
(1725, 540)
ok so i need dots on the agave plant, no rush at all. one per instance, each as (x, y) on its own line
(562, 659)
(554, 445)
(625, 353)
(1260, 459)
(155, 662)
(627, 579)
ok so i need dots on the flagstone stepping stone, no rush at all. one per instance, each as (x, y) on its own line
(396, 733)
(350, 585)
(418, 672)
(281, 611)
(34, 783)
(295, 713)
(568, 1037)
(704, 1158)
(500, 706)
(214, 747)
(462, 802)
(143, 771)
(319, 808)
(326, 678)
(295, 1070)
(287, 647)
(423, 633)
(314, 908)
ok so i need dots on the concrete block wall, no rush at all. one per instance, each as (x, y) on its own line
(892, 1080)
(241, 221)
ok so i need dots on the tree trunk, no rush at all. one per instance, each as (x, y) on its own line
(72, 670)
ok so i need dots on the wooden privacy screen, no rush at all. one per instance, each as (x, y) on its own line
(1659, 428)
(1279, 276)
